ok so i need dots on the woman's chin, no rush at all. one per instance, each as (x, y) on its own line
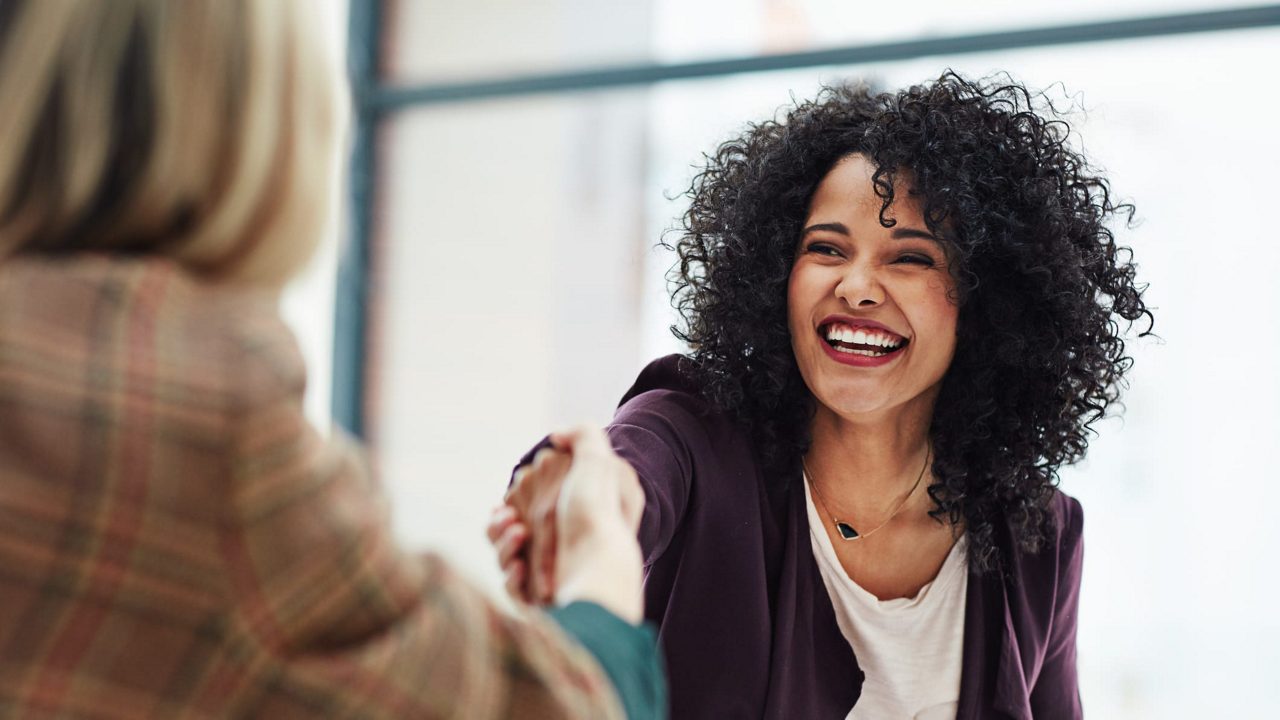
(871, 401)
(851, 404)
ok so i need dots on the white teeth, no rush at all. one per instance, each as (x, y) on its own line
(846, 334)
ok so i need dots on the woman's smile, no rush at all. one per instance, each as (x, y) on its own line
(861, 343)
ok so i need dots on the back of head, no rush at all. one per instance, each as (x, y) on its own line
(202, 130)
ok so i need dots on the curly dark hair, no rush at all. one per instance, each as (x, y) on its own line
(1041, 284)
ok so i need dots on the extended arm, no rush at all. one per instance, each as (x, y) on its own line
(331, 618)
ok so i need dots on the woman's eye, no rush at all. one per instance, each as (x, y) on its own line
(914, 259)
(822, 249)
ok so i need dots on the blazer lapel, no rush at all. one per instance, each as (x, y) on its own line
(814, 673)
(1013, 697)
(992, 680)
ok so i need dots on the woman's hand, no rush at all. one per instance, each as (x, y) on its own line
(568, 531)
(597, 557)
(524, 529)
(509, 536)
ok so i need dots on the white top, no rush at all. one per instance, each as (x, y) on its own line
(911, 649)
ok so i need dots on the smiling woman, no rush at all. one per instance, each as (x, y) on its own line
(1039, 282)
(905, 311)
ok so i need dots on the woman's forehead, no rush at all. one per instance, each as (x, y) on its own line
(849, 189)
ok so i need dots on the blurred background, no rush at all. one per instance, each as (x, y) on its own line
(513, 165)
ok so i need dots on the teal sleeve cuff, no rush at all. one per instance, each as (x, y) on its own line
(628, 654)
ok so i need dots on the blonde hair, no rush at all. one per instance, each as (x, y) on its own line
(203, 130)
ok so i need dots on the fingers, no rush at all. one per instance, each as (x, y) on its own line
(511, 543)
(597, 556)
(546, 467)
(582, 438)
(515, 581)
(598, 475)
(510, 538)
(579, 473)
(541, 457)
(542, 565)
(534, 497)
(552, 463)
(542, 544)
(564, 439)
(499, 520)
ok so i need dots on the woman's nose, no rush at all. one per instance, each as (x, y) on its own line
(860, 287)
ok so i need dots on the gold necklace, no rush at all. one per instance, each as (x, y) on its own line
(845, 529)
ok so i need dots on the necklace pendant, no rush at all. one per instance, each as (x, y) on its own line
(846, 531)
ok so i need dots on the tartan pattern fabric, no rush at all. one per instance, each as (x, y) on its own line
(177, 541)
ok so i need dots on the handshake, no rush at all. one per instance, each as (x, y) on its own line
(567, 529)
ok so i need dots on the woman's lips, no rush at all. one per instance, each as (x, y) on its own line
(856, 359)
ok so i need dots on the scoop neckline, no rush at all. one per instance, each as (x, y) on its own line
(946, 573)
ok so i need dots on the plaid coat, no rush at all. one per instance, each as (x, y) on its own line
(177, 541)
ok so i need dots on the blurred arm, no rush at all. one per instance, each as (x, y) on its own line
(333, 619)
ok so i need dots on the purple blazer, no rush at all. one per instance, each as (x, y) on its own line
(743, 617)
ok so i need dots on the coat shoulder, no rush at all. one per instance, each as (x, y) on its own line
(1068, 519)
(667, 401)
(180, 338)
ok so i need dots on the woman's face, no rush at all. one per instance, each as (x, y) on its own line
(873, 325)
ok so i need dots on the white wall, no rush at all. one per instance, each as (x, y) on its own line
(307, 304)
(509, 264)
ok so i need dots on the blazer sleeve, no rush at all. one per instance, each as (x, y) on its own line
(1057, 692)
(659, 433)
(332, 619)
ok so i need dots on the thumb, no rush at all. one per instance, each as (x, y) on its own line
(583, 438)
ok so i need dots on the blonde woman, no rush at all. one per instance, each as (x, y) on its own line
(175, 539)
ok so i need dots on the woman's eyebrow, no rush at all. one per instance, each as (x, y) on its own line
(834, 227)
(904, 233)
